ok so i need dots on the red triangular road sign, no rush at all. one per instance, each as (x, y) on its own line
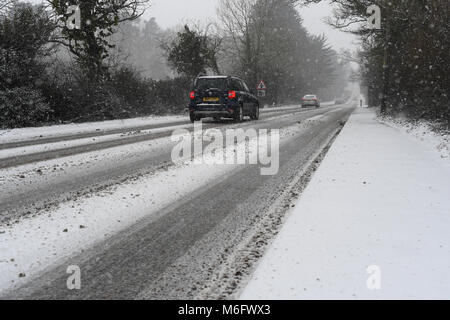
(262, 86)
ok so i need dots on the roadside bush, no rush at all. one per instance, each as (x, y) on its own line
(169, 96)
(128, 84)
(147, 96)
(125, 94)
(78, 101)
(23, 107)
(97, 102)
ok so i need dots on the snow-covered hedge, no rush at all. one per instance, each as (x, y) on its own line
(22, 107)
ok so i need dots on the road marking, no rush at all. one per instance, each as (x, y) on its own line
(320, 116)
(315, 118)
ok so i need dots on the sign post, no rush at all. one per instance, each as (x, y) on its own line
(261, 87)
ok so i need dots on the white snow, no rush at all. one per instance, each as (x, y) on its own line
(14, 135)
(36, 243)
(36, 133)
(27, 150)
(423, 132)
(378, 199)
(37, 148)
(327, 104)
(67, 167)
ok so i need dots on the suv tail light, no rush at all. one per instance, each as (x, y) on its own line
(231, 94)
(192, 95)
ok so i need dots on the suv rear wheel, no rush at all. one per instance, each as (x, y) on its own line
(240, 114)
(255, 114)
(194, 118)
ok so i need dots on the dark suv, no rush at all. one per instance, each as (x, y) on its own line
(222, 96)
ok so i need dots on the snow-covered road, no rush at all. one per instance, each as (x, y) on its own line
(15, 138)
(72, 209)
(61, 141)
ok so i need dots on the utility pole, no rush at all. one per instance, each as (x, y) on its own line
(377, 24)
(385, 60)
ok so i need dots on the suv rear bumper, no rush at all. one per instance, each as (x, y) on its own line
(213, 113)
(213, 110)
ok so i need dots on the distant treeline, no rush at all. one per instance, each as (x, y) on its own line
(116, 66)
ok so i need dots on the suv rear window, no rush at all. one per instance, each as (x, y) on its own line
(211, 83)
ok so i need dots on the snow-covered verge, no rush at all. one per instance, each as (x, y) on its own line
(22, 134)
(327, 103)
(61, 145)
(423, 131)
(373, 223)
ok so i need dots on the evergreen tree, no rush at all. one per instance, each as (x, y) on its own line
(192, 53)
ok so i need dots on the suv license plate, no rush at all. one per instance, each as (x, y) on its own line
(210, 99)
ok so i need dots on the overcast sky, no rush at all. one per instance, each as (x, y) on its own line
(170, 13)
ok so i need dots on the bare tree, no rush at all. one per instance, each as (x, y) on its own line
(245, 30)
(269, 41)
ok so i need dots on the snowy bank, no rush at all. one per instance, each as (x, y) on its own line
(21, 134)
(423, 132)
(374, 223)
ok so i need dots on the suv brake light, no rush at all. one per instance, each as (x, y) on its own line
(192, 95)
(231, 94)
